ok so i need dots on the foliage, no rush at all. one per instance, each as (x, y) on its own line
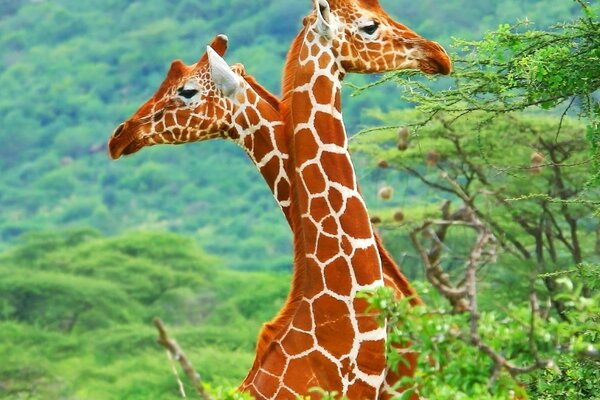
(76, 307)
(506, 237)
(451, 366)
(517, 68)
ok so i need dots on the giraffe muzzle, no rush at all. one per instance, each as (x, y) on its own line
(124, 141)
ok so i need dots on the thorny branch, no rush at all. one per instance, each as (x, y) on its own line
(463, 296)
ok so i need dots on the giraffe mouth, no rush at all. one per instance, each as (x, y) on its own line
(123, 143)
(437, 60)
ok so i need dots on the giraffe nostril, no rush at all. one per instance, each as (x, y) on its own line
(119, 130)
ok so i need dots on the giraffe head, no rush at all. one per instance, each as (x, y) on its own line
(193, 103)
(365, 39)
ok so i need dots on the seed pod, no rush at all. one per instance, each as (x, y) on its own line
(375, 220)
(403, 133)
(433, 158)
(398, 216)
(383, 164)
(537, 160)
(403, 138)
(385, 193)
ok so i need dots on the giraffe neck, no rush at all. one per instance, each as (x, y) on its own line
(346, 345)
(269, 148)
(264, 142)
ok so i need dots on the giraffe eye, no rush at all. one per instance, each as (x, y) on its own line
(187, 93)
(370, 29)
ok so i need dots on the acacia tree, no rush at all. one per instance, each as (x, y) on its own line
(513, 249)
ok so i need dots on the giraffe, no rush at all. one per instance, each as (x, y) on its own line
(210, 100)
(157, 122)
(333, 342)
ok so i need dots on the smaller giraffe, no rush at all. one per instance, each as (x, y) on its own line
(208, 100)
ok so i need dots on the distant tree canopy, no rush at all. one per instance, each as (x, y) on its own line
(76, 311)
(71, 70)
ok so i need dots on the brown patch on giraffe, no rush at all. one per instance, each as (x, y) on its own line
(337, 277)
(314, 275)
(168, 137)
(347, 368)
(314, 51)
(367, 321)
(303, 111)
(328, 247)
(170, 119)
(260, 152)
(325, 61)
(253, 117)
(283, 189)
(347, 247)
(305, 141)
(319, 208)
(329, 129)
(303, 320)
(268, 384)
(369, 357)
(330, 226)
(356, 223)
(332, 318)
(249, 144)
(336, 200)
(304, 53)
(299, 376)
(323, 90)
(361, 390)
(310, 236)
(296, 342)
(273, 364)
(270, 171)
(281, 143)
(312, 173)
(365, 264)
(338, 100)
(339, 169)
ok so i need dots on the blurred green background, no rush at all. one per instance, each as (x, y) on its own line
(92, 249)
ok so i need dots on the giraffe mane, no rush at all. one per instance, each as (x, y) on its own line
(291, 65)
(263, 93)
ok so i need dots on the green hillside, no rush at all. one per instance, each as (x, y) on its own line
(76, 311)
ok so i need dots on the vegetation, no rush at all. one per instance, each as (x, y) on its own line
(507, 238)
(76, 311)
(490, 211)
(71, 71)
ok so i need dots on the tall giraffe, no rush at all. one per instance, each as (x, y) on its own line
(333, 342)
(158, 122)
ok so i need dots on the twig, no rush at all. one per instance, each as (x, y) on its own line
(177, 354)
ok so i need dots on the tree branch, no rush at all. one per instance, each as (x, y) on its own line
(178, 355)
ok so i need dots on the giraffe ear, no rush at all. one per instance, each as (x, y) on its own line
(222, 75)
(323, 16)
